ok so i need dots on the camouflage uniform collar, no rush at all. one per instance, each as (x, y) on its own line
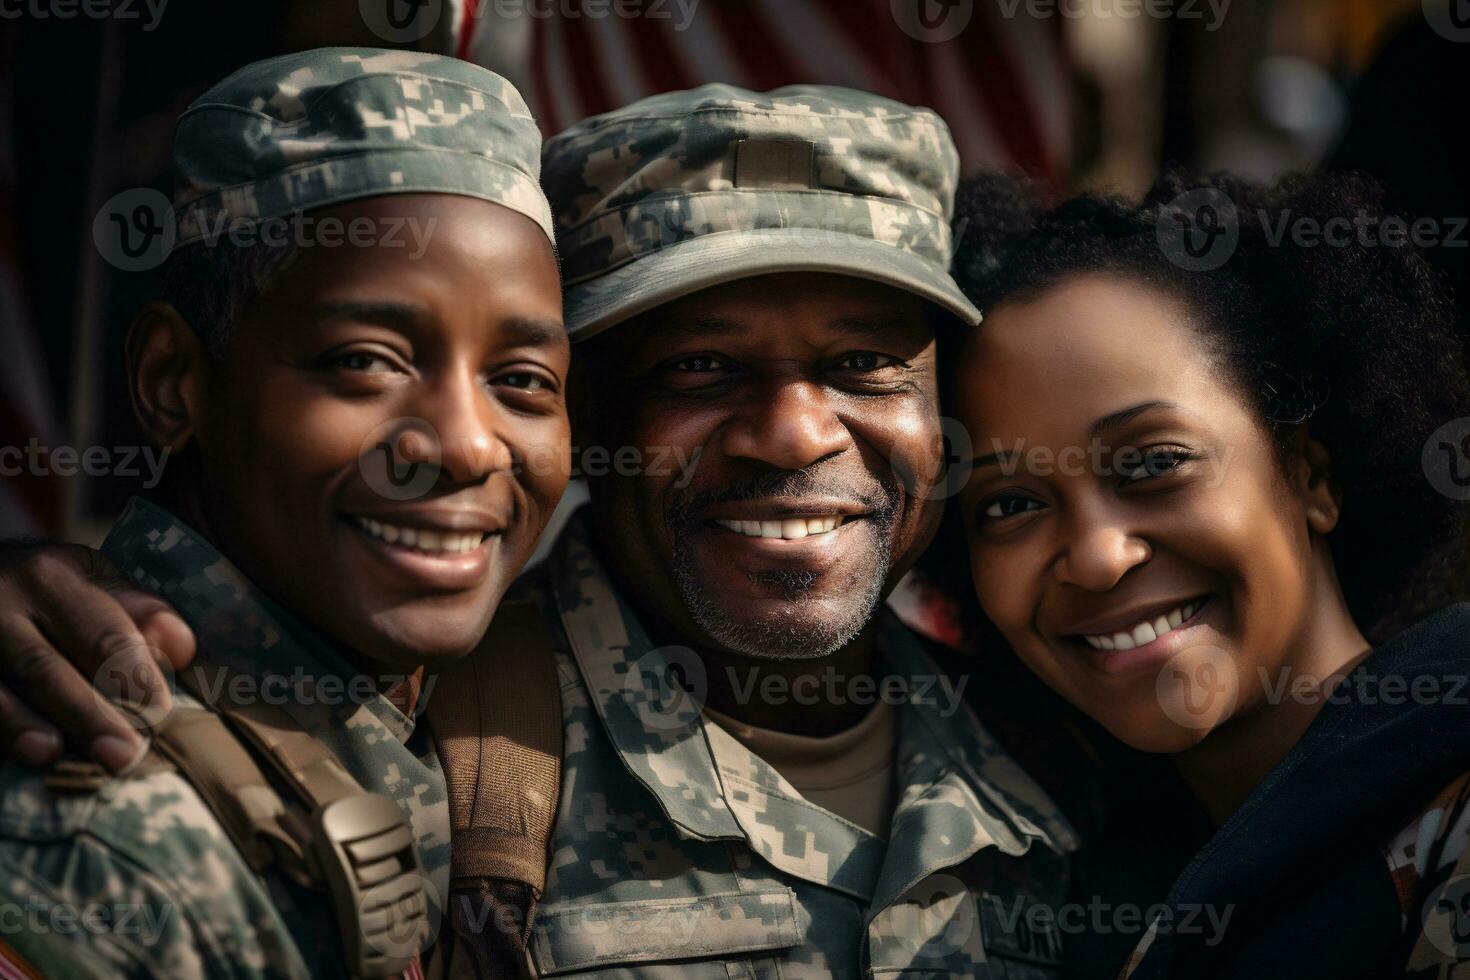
(959, 792)
(240, 628)
(656, 730)
(936, 737)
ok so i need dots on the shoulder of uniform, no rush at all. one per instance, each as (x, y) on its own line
(142, 873)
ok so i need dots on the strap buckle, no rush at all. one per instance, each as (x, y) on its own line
(378, 888)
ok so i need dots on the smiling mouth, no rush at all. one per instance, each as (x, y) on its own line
(789, 528)
(1147, 630)
(440, 543)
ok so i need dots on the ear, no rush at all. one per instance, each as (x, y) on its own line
(1312, 479)
(166, 364)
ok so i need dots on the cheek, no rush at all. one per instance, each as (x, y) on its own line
(910, 439)
(1006, 584)
(545, 449)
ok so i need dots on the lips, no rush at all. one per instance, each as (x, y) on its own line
(789, 528)
(1146, 630)
(423, 539)
(442, 549)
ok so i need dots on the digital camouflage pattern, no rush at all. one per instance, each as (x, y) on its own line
(319, 127)
(686, 190)
(181, 901)
(679, 854)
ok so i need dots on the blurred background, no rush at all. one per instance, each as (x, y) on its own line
(1094, 94)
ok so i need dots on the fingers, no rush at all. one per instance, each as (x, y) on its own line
(67, 634)
(24, 736)
(54, 689)
(162, 628)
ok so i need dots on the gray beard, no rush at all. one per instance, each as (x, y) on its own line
(793, 637)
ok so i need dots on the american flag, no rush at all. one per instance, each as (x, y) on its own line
(1002, 82)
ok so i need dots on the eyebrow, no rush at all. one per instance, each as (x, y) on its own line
(400, 316)
(1122, 417)
(406, 316)
(532, 332)
(1112, 420)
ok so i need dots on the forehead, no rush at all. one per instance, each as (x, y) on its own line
(776, 311)
(1081, 349)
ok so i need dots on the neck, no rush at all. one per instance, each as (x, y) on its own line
(1227, 766)
(799, 697)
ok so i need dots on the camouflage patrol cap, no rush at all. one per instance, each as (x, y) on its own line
(687, 190)
(320, 127)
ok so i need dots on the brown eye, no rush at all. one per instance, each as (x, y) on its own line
(1009, 505)
(700, 363)
(865, 360)
(1157, 462)
(364, 362)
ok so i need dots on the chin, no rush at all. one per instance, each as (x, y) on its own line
(803, 634)
(1157, 735)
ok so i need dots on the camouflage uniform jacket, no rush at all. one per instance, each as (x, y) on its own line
(679, 854)
(138, 874)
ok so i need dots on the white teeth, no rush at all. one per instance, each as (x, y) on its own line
(791, 528)
(444, 542)
(1145, 632)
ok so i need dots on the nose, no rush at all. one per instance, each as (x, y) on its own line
(1098, 550)
(463, 429)
(788, 426)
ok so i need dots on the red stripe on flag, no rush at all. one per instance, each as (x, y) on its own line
(750, 41)
(12, 967)
(1000, 85)
(466, 29)
(873, 30)
(545, 102)
(657, 60)
(586, 65)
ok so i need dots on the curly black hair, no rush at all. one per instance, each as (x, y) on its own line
(1353, 336)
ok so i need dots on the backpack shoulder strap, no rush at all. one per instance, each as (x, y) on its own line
(330, 835)
(496, 718)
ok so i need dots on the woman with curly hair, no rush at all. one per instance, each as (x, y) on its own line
(1202, 509)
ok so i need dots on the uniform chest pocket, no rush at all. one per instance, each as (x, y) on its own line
(570, 937)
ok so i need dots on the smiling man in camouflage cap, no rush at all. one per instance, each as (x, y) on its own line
(765, 775)
(300, 826)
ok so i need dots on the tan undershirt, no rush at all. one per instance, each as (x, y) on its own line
(849, 774)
